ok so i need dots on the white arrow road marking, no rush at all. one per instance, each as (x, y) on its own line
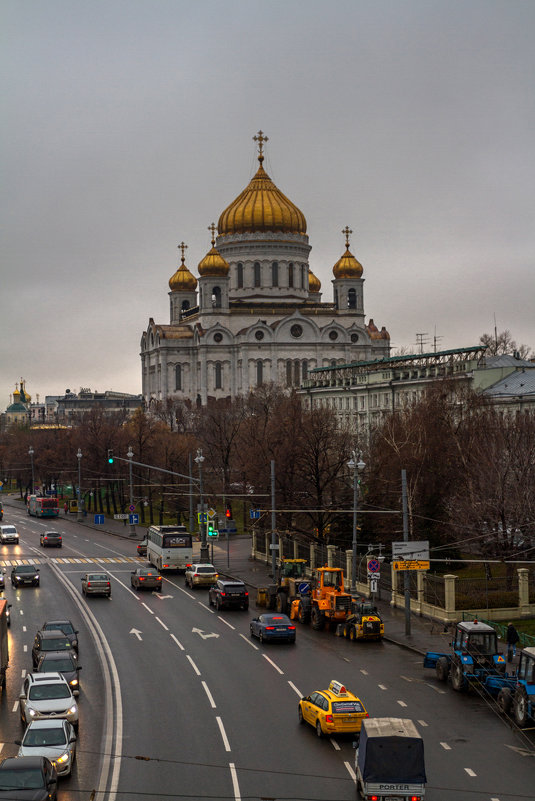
(161, 597)
(137, 633)
(201, 633)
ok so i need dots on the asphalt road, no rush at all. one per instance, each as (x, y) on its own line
(178, 702)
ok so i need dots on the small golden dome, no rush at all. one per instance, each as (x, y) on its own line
(183, 280)
(347, 266)
(314, 283)
(261, 207)
(213, 263)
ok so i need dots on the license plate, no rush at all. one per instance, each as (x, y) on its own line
(280, 629)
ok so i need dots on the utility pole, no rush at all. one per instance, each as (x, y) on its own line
(273, 523)
(406, 576)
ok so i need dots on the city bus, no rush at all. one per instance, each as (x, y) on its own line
(42, 507)
(169, 547)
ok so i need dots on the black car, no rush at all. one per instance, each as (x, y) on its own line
(28, 777)
(49, 641)
(24, 575)
(2, 579)
(66, 627)
(64, 662)
(226, 594)
(51, 539)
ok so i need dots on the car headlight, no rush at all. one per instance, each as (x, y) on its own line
(62, 759)
(31, 712)
(72, 710)
(73, 682)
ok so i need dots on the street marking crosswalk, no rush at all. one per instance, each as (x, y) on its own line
(66, 560)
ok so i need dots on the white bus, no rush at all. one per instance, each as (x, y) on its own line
(169, 547)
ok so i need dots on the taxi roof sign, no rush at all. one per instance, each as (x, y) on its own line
(337, 688)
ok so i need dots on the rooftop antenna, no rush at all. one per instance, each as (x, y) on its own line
(420, 341)
(495, 333)
(436, 340)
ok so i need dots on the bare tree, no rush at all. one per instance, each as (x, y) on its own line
(503, 342)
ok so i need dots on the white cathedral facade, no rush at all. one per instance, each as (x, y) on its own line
(255, 315)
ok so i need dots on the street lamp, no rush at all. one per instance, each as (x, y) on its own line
(79, 516)
(130, 455)
(357, 465)
(31, 452)
(199, 459)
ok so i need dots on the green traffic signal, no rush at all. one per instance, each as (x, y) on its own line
(110, 456)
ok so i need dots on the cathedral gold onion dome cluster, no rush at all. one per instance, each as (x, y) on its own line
(213, 263)
(261, 207)
(183, 280)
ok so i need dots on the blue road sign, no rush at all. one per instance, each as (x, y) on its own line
(99, 520)
(254, 514)
(374, 566)
(133, 520)
(303, 587)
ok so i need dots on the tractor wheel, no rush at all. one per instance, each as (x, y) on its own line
(457, 678)
(282, 603)
(352, 634)
(317, 618)
(303, 614)
(520, 707)
(442, 669)
(505, 700)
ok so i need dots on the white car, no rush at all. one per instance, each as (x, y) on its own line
(9, 534)
(47, 695)
(200, 575)
(54, 739)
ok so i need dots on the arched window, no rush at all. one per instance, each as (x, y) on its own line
(288, 373)
(216, 297)
(240, 275)
(218, 376)
(257, 274)
(275, 273)
(178, 377)
(290, 275)
(352, 299)
(296, 372)
(259, 372)
(304, 369)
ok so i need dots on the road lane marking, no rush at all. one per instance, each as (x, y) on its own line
(402, 703)
(364, 672)
(146, 607)
(445, 746)
(422, 723)
(274, 665)
(436, 689)
(334, 744)
(177, 642)
(406, 678)
(15, 706)
(23, 673)
(162, 624)
(137, 633)
(223, 733)
(25, 648)
(381, 686)
(209, 694)
(294, 688)
(193, 665)
(350, 771)
(235, 785)
(226, 623)
(470, 772)
(248, 641)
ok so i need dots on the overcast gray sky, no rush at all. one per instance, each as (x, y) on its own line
(127, 128)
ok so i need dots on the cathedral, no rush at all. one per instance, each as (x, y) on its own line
(254, 314)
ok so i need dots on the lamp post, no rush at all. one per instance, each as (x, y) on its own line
(31, 452)
(79, 516)
(357, 465)
(199, 459)
(130, 455)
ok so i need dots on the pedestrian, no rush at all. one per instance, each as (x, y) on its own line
(511, 639)
(65, 508)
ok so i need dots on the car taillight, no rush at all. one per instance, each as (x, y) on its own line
(223, 593)
(291, 628)
(88, 583)
(329, 718)
(373, 798)
(142, 578)
(270, 628)
(247, 593)
(416, 798)
(107, 584)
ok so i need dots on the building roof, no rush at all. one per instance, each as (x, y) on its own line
(518, 383)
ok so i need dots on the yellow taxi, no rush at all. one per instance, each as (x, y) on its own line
(333, 711)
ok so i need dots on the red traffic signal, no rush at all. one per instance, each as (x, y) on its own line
(228, 512)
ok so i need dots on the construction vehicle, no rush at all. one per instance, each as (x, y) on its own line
(323, 601)
(4, 652)
(516, 693)
(474, 658)
(364, 621)
(389, 761)
(291, 581)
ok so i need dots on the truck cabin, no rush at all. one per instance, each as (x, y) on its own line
(293, 569)
(476, 639)
(333, 578)
(526, 666)
(363, 607)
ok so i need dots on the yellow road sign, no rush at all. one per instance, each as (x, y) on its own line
(411, 564)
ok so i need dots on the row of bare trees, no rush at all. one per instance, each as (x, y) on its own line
(470, 470)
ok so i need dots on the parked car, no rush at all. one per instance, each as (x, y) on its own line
(66, 627)
(51, 539)
(96, 584)
(9, 534)
(225, 594)
(49, 641)
(53, 739)
(200, 575)
(272, 626)
(47, 695)
(64, 662)
(25, 574)
(146, 578)
(30, 777)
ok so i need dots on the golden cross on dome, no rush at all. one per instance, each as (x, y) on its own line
(182, 247)
(260, 138)
(213, 228)
(346, 231)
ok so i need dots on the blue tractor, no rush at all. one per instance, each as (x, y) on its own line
(474, 657)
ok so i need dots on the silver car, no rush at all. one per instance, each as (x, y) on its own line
(9, 534)
(54, 739)
(47, 695)
(96, 584)
(200, 575)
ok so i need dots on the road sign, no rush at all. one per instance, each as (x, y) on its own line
(133, 520)
(120, 517)
(254, 514)
(411, 550)
(132, 507)
(411, 564)
(303, 587)
(274, 547)
(374, 566)
(373, 585)
(202, 517)
(99, 520)
(211, 513)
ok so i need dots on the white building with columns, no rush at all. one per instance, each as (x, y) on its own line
(254, 315)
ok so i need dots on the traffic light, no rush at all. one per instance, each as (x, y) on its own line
(211, 530)
(110, 456)
(228, 511)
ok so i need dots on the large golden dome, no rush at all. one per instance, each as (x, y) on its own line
(347, 266)
(213, 263)
(261, 207)
(314, 283)
(183, 280)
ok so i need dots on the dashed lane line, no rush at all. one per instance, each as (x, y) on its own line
(235, 785)
(248, 641)
(470, 772)
(277, 668)
(193, 665)
(178, 642)
(445, 746)
(223, 733)
(294, 688)
(209, 694)
(350, 771)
